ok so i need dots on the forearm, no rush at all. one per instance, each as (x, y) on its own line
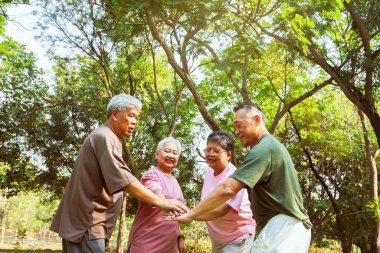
(218, 197)
(142, 193)
(214, 214)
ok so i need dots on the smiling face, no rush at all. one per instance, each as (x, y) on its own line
(167, 157)
(124, 122)
(216, 157)
(247, 127)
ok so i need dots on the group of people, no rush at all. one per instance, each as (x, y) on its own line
(91, 203)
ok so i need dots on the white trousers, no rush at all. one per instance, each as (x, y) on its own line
(283, 234)
(240, 246)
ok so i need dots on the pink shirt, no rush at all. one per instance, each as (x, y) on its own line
(149, 232)
(238, 223)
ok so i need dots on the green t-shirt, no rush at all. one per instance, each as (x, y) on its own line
(269, 172)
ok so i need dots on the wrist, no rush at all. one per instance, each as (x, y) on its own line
(190, 216)
(160, 203)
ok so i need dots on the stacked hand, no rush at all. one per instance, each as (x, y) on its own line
(174, 206)
(183, 218)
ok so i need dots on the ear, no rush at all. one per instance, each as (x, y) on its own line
(257, 119)
(114, 113)
(229, 154)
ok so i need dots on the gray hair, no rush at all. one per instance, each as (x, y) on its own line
(250, 108)
(161, 144)
(224, 139)
(121, 102)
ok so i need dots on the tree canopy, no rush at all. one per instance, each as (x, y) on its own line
(312, 65)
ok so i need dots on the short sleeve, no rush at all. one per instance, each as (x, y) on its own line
(235, 202)
(115, 172)
(255, 167)
(151, 181)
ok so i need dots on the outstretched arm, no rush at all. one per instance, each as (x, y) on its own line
(218, 197)
(215, 214)
(142, 193)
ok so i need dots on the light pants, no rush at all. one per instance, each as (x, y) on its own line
(283, 234)
(240, 246)
(85, 246)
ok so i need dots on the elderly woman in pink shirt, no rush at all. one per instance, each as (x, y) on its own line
(230, 226)
(149, 232)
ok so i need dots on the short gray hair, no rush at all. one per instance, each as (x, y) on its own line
(250, 107)
(121, 102)
(161, 144)
(224, 139)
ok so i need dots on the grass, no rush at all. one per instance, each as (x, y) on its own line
(191, 245)
(197, 241)
(28, 251)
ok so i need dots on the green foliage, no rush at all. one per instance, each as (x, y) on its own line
(22, 93)
(198, 246)
(42, 127)
(373, 208)
(21, 234)
(323, 250)
(28, 211)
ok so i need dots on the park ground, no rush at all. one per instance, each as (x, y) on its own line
(199, 243)
(55, 247)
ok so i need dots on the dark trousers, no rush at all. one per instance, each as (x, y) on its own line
(85, 246)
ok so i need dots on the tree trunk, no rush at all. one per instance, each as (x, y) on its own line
(44, 234)
(3, 222)
(183, 74)
(120, 236)
(319, 240)
(370, 163)
(293, 103)
(352, 92)
(127, 156)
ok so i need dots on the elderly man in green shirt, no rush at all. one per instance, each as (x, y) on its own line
(269, 172)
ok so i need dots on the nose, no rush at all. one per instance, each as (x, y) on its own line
(237, 132)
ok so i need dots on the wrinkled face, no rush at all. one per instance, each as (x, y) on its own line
(125, 121)
(216, 157)
(246, 128)
(167, 157)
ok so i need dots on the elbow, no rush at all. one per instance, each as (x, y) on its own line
(230, 188)
(227, 191)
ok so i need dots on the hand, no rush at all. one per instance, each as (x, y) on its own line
(174, 206)
(183, 219)
(172, 214)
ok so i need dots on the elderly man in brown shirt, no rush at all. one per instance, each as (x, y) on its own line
(91, 203)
